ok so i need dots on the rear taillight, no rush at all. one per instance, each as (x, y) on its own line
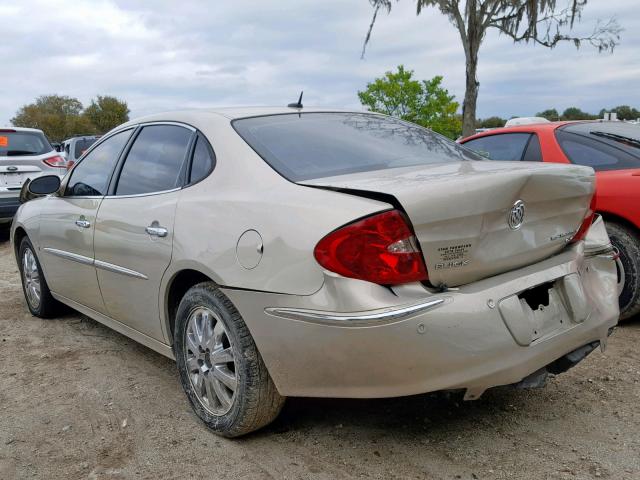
(586, 222)
(380, 249)
(56, 161)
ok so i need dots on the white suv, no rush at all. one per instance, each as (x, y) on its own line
(25, 153)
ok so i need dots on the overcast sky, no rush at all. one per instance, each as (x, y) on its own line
(163, 55)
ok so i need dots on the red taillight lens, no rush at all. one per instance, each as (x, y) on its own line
(586, 223)
(56, 161)
(379, 249)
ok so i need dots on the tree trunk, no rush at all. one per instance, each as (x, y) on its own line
(470, 97)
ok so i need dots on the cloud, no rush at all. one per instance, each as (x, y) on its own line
(163, 55)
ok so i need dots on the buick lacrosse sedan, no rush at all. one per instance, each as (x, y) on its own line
(302, 252)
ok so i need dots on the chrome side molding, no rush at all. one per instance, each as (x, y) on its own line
(97, 263)
(69, 256)
(370, 317)
(110, 267)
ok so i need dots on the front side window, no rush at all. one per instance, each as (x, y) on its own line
(504, 146)
(155, 161)
(583, 150)
(91, 176)
(317, 145)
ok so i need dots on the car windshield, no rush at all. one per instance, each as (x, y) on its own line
(303, 146)
(82, 145)
(14, 143)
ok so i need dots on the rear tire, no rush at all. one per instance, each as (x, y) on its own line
(626, 240)
(221, 370)
(34, 286)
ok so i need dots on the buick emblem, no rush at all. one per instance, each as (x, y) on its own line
(515, 217)
(12, 169)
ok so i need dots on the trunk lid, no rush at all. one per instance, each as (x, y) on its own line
(15, 170)
(465, 214)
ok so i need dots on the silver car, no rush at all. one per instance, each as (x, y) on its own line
(25, 153)
(281, 252)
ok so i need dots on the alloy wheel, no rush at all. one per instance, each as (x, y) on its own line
(31, 276)
(210, 361)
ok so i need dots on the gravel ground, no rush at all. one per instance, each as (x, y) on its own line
(78, 400)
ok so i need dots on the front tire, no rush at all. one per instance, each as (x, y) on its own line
(221, 370)
(36, 291)
(627, 242)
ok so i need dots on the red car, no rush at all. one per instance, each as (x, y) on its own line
(613, 150)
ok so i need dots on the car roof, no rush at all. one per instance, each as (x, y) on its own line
(232, 113)
(530, 128)
(20, 129)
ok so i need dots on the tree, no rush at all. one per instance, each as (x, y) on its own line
(528, 21)
(107, 112)
(574, 113)
(623, 112)
(491, 122)
(425, 102)
(59, 117)
(550, 114)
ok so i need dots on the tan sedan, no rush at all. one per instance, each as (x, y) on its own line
(281, 252)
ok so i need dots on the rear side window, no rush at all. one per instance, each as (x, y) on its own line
(503, 146)
(317, 145)
(583, 150)
(91, 176)
(155, 161)
(203, 160)
(15, 144)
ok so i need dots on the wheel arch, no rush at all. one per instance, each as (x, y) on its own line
(18, 234)
(178, 284)
(614, 217)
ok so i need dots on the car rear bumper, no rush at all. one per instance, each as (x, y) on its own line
(472, 338)
(9, 204)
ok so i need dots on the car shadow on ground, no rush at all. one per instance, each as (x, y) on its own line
(4, 234)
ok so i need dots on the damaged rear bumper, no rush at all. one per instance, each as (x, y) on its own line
(355, 339)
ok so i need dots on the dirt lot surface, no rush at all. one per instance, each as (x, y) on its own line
(78, 400)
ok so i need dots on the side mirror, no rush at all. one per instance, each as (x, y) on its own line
(39, 187)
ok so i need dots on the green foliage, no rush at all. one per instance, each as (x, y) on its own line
(624, 112)
(491, 122)
(550, 114)
(61, 117)
(425, 102)
(574, 113)
(107, 112)
(58, 116)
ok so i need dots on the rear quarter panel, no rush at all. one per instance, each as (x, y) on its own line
(244, 193)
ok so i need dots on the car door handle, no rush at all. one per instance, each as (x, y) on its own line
(156, 231)
(83, 223)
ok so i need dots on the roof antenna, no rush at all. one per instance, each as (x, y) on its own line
(297, 105)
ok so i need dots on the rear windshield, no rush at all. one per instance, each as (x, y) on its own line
(316, 145)
(82, 145)
(23, 143)
(610, 153)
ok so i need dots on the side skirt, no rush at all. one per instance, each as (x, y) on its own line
(133, 334)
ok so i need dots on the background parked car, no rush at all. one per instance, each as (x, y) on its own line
(74, 147)
(613, 150)
(25, 153)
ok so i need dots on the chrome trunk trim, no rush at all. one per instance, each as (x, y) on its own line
(370, 317)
